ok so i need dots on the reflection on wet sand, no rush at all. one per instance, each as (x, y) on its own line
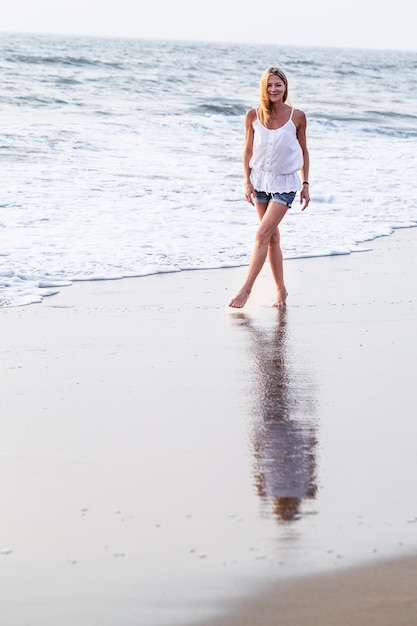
(284, 433)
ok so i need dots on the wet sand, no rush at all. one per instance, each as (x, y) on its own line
(378, 595)
(167, 460)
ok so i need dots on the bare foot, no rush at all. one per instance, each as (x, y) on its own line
(240, 300)
(281, 300)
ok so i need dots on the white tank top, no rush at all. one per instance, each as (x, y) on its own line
(277, 158)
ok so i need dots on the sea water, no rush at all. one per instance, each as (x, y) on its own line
(123, 157)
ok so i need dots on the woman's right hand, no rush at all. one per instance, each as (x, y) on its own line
(249, 193)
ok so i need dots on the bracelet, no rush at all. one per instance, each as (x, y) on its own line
(305, 183)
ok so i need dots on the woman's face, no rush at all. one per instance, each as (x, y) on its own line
(275, 88)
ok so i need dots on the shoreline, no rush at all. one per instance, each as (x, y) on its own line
(150, 460)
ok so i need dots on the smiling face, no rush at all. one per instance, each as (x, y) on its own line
(274, 86)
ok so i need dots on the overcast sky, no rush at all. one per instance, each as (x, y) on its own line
(342, 23)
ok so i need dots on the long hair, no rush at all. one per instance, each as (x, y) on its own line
(265, 108)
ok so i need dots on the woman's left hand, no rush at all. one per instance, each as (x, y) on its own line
(304, 197)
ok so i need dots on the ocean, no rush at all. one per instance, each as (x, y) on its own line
(122, 157)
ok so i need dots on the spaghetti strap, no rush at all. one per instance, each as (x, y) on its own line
(292, 111)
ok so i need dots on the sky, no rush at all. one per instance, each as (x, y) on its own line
(376, 24)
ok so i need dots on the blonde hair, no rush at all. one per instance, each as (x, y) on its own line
(265, 108)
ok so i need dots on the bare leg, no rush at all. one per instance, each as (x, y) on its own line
(276, 263)
(270, 218)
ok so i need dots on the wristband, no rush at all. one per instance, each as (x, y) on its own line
(305, 183)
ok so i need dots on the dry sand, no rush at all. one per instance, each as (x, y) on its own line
(379, 595)
(166, 460)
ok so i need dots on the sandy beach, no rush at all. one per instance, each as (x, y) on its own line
(166, 460)
(378, 595)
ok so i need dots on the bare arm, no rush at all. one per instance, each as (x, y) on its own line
(301, 125)
(247, 154)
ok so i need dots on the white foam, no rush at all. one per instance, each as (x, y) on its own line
(117, 183)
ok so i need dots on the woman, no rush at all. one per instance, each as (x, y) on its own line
(275, 152)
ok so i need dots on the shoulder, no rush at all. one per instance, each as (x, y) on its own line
(251, 115)
(250, 119)
(299, 118)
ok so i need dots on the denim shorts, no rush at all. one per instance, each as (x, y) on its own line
(285, 198)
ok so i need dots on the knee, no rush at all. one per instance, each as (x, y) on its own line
(262, 238)
(274, 240)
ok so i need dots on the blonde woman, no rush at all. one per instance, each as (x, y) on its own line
(275, 156)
